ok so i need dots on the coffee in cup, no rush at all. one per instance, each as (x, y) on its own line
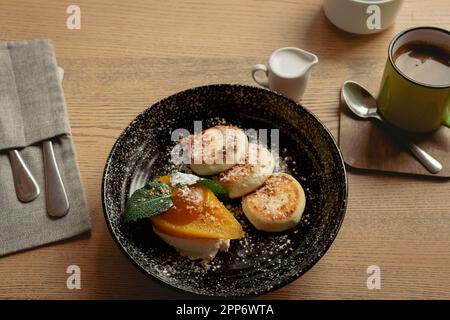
(424, 62)
(415, 89)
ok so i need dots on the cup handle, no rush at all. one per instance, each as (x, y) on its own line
(446, 121)
(262, 82)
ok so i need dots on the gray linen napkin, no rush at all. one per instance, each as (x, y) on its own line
(33, 109)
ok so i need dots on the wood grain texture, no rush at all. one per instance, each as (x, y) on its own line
(130, 54)
(368, 145)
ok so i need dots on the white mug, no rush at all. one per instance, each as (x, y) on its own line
(287, 71)
(362, 16)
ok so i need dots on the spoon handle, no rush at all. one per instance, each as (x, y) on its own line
(430, 163)
(55, 193)
(26, 187)
(425, 158)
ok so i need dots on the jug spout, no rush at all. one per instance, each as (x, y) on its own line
(310, 59)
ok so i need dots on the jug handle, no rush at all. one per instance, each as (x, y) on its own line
(260, 67)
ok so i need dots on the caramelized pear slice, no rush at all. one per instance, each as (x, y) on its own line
(197, 213)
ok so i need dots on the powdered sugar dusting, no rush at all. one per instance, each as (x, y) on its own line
(260, 261)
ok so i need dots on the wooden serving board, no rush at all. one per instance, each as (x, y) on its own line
(367, 145)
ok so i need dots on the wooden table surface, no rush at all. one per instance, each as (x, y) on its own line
(129, 54)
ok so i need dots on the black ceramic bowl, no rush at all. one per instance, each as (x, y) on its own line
(261, 261)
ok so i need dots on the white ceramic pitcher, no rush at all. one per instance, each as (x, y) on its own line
(287, 71)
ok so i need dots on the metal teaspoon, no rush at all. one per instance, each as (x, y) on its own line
(364, 105)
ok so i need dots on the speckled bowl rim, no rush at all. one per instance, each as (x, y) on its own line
(289, 280)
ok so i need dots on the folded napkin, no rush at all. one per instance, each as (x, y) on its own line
(32, 110)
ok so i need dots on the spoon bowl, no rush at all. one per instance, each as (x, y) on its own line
(359, 100)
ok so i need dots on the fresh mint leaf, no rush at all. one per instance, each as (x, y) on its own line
(215, 187)
(152, 199)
